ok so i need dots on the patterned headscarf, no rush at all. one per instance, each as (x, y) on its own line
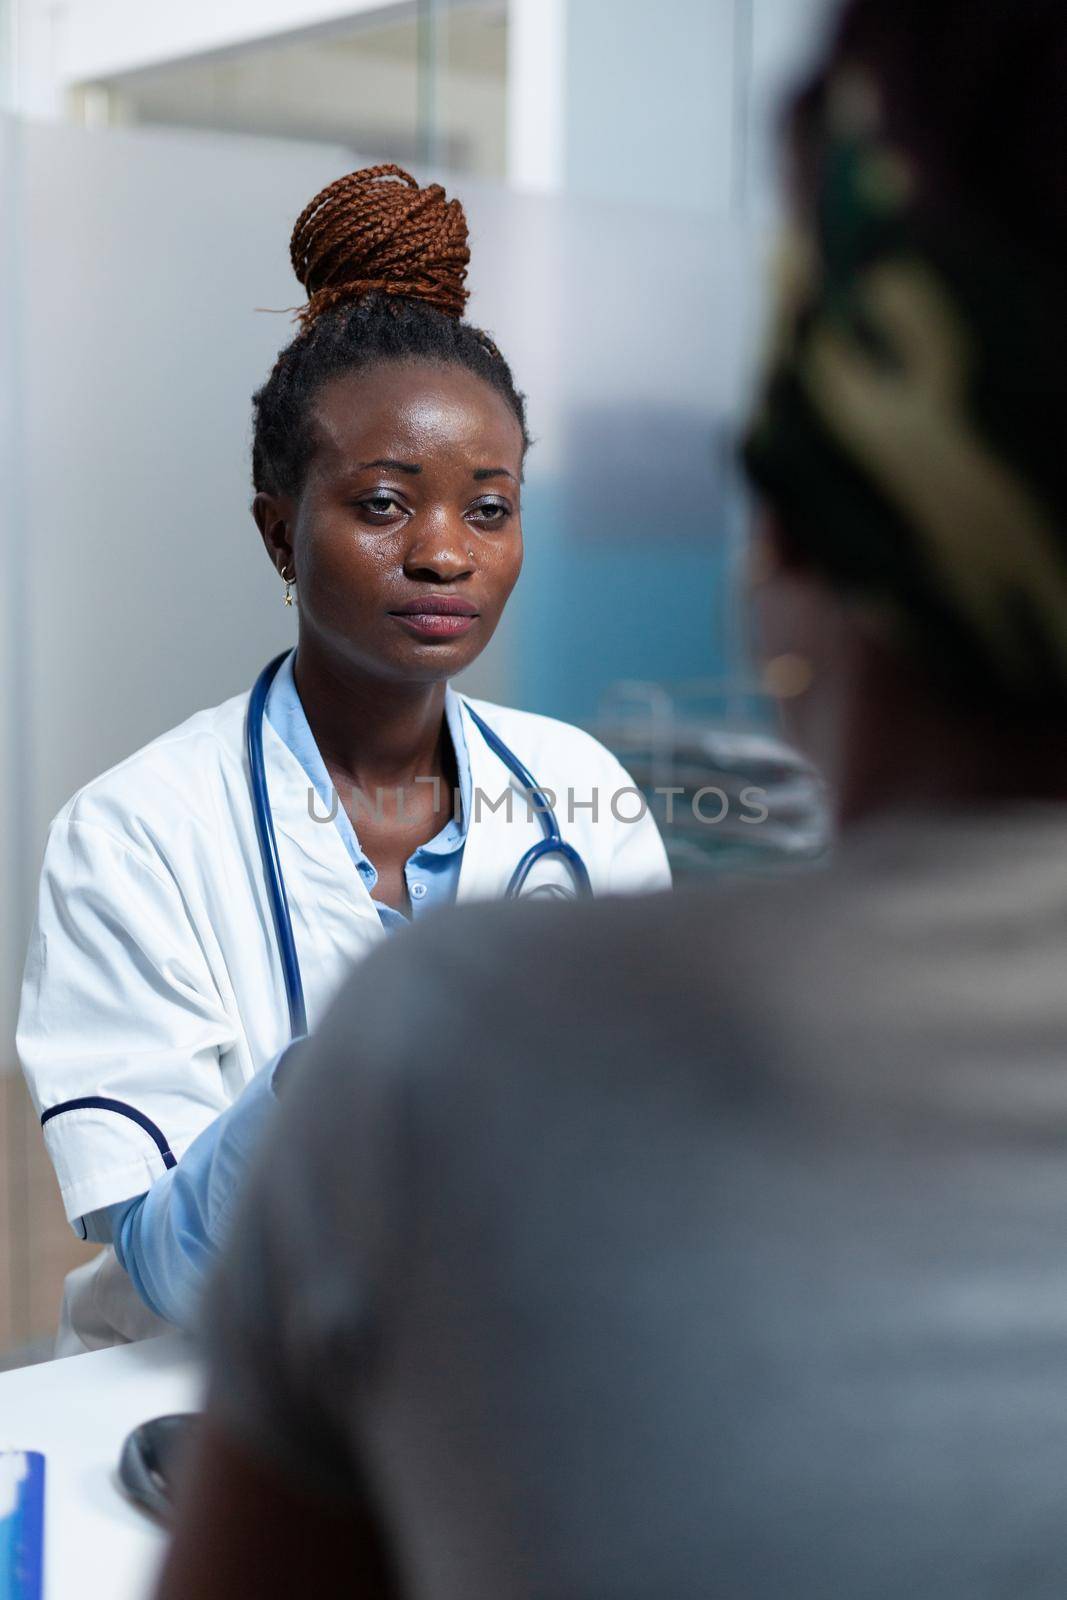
(910, 433)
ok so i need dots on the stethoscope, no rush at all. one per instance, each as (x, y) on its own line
(553, 843)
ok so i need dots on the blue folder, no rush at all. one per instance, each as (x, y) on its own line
(21, 1524)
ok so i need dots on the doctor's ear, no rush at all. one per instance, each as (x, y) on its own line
(274, 518)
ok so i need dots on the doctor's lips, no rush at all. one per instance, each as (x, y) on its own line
(437, 616)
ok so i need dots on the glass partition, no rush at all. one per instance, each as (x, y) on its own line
(406, 83)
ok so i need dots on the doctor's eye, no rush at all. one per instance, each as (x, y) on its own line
(382, 508)
(490, 513)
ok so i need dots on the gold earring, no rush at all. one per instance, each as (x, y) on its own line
(788, 676)
(288, 580)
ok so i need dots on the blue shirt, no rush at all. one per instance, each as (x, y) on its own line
(432, 872)
(167, 1238)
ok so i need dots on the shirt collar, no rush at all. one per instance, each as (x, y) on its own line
(286, 715)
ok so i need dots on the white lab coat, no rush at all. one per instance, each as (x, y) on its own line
(153, 976)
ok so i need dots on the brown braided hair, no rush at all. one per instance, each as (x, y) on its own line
(366, 234)
(384, 264)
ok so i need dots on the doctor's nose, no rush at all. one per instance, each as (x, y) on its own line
(442, 553)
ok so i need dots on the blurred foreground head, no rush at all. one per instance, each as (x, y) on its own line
(908, 443)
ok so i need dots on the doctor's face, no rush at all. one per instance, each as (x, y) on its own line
(406, 538)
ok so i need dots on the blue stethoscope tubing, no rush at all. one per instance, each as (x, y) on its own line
(553, 843)
(268, 845)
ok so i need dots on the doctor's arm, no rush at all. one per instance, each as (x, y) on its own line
(168, 1238)
(123, 1035)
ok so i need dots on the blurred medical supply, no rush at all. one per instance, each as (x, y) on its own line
(727, 792)
(152, 1457)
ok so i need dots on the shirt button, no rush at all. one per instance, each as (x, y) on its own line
(418, 891)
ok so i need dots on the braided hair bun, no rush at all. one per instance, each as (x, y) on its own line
(376, 232)
(384, 264)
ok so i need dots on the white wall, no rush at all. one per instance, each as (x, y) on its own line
(649, 96)
(655, 100)
(536, 114)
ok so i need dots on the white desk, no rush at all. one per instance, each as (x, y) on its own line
(98, 1546)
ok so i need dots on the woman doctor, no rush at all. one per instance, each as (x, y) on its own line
(185, 934)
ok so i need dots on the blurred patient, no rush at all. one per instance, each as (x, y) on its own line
(716, 1245)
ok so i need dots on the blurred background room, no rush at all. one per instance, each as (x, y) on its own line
(616, 161)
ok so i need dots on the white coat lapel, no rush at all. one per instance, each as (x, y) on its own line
(309, 829)
(334, 919)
